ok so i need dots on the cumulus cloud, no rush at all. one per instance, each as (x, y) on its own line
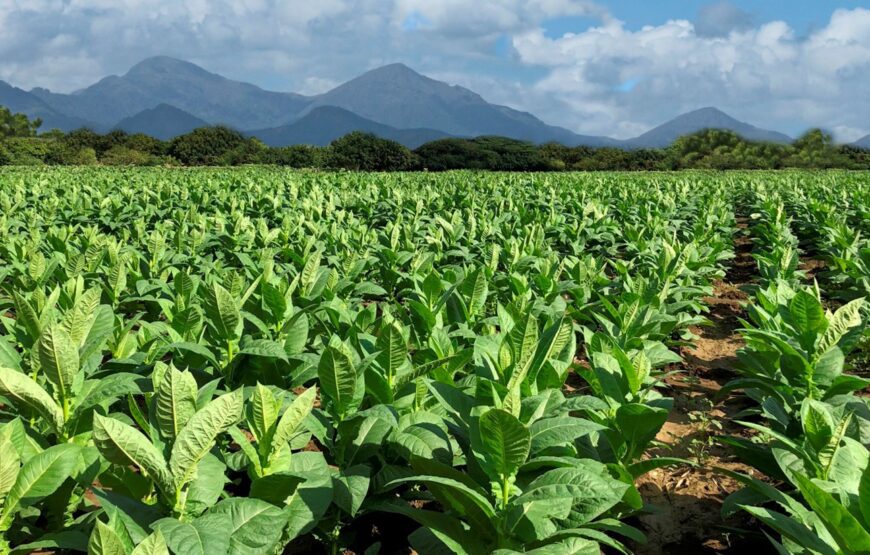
(764, 74)
(609, 79)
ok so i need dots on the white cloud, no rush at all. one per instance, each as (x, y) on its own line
(764, 75)
(608, 79)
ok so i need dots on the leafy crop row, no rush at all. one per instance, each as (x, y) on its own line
(256, 361)
(813, 430)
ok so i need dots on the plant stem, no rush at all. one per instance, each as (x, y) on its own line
(230, 355)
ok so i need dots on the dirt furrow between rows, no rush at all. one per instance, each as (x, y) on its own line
(688, 500)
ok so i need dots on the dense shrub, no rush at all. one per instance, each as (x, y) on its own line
(123, 156)
(368, 152)
(205, 146)
(27, 151)
(296, 156)
(251, 151)
(484, 153)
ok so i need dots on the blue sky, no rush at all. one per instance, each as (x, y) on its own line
(802, 15)
(608, 67)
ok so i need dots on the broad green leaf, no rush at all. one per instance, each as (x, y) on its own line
(276, 489)
(469, 499)
(59, 359)
(310, 271)
(154, 544)
(850, 535)
(560, 430)
(393, 351)
(808, 317)
(639, 425)
(77, 322)
(104, 541)
(200, 434)
(71, 540)
(207, 485)
(40, 476)
(350, 487)
(255, 526)
(312, 498)
(9, 357)
(102, 327)
(590, 489)
(223, 313)
(817, 423)
(175, 401)
(523, 342)
(338, 379)
(847, 317)
(297, 334)
(263, 348)
(125, 445)
(505, 443)
(27, 317)
(478, 294)
(362, 437)
(206, 535)
(638, 371)
(262, 413)
(293, 417)
(9, 464)
(247, 449)
(792, 529)
(108, 388)
(20, 388)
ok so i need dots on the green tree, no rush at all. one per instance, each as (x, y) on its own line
(251, 151)
(368, 152)
(17, 125)
(296, 156)
(205, 146)
(815, 149)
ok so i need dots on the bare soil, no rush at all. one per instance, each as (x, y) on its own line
(811, 267)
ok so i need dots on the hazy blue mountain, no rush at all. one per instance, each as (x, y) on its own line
(324, 124)
(162, 122)
(705, 118)
(863, 142)
(163, 80)
(22, 102)
(398, 96)
(394, 96)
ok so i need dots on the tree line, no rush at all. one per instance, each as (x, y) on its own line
(220, 146)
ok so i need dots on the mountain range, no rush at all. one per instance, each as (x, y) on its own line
(165, 97)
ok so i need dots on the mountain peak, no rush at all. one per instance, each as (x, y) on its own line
(166, 65)
(708, 117)
(708, 110)
(396, 75)
(396, 68)
(163, 121)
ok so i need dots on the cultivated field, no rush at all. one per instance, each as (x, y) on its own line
(253, 361)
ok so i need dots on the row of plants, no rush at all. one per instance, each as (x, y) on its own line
(809, 425)
(253, 361)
